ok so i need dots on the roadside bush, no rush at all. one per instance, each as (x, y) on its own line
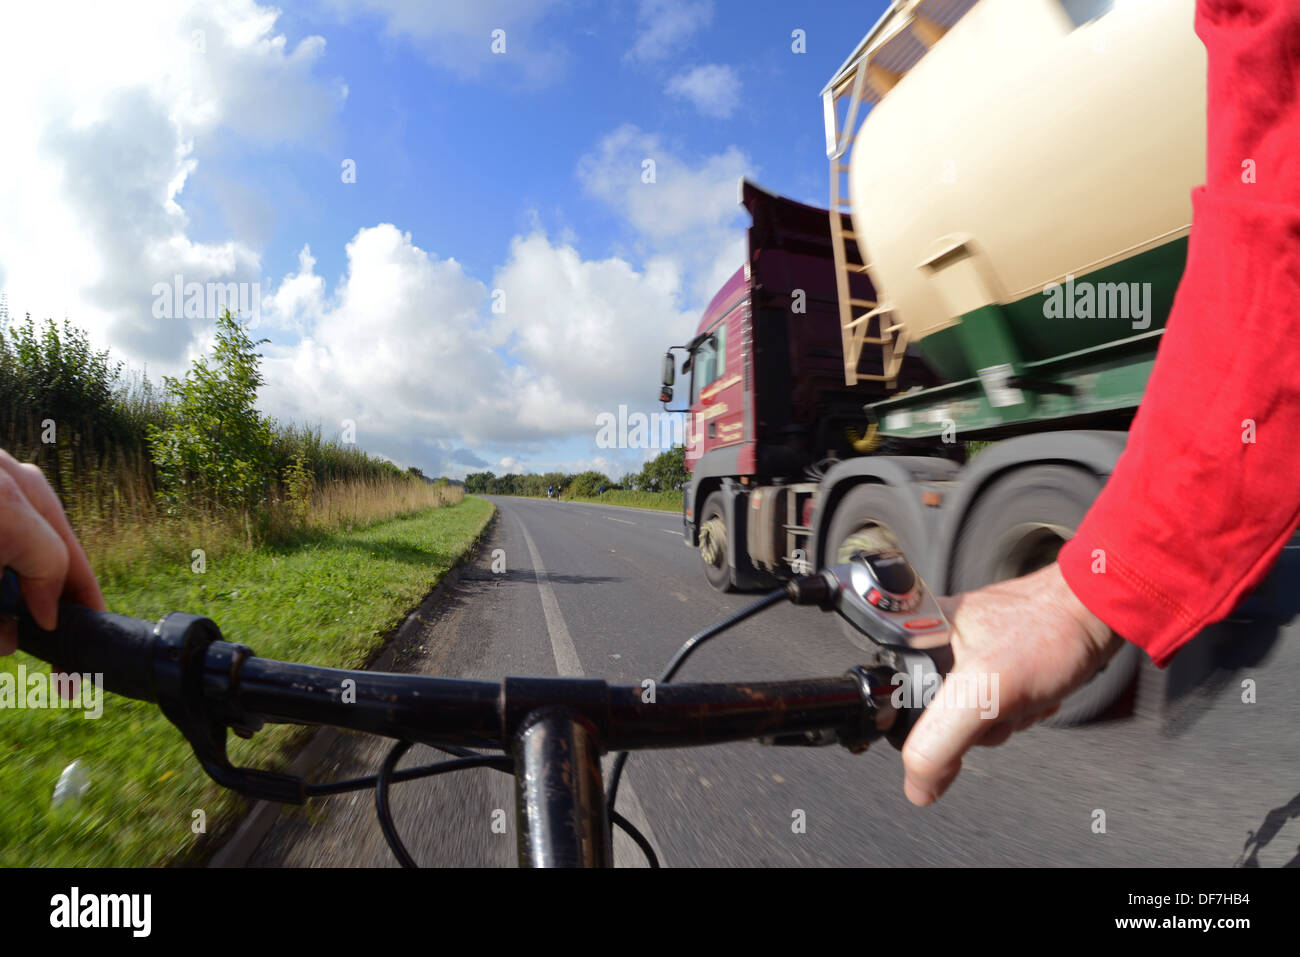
(666, 472)
(215, 444)
(588, 484)
(72, 411)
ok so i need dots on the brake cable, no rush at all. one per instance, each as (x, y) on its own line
(775, 596)
(464, 759)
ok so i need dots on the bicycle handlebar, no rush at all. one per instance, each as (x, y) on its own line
(148, 661)
(98, 642)
(206, 686)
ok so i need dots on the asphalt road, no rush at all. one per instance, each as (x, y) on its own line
(1189, 776)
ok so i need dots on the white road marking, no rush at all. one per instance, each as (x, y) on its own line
(626, 853)
(671, 531)
(623, 520)
(566, 656)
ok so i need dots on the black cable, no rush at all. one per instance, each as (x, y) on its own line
(472, 759)
(387, 776)
(775, 596)
(640, 839)
(454, 751)
(615, 775)
(465, 758)
(381, 804)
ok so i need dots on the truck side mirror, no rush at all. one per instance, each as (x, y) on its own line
(670, 376)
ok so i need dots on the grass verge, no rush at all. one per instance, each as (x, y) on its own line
(330, 598)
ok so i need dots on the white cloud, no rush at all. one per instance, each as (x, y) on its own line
(714, 90)
(400, 348)
(682, 198)
(689, 216)
(409, 350)
(594, 330)
(106, 115)
(298, 303)
(665, 26)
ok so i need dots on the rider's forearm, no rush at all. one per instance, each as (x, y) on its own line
(1206, 494)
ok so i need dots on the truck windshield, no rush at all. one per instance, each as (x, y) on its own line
(708, 363)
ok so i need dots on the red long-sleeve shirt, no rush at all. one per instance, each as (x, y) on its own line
(1207, 491)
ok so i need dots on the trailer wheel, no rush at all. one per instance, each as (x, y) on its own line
(1016, 527)
(713, 543)
(872, 516)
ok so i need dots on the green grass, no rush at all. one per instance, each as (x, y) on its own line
(330, 599)
(664, 501)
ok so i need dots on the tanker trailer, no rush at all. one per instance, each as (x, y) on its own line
(1015, 226)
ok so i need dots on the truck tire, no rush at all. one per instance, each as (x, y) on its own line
(1016, 527)
(872, 516)
(713, 542)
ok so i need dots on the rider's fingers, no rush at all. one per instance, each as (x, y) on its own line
(32, 549)
(998, 734)
(933, 750)
(79, 584)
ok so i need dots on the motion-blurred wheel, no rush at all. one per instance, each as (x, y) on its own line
(872, 517)
(713, 543)
(1016, 527)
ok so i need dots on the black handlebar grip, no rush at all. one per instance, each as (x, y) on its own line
(119, 648)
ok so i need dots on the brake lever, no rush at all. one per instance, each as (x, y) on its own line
(184, 642)
(898, 623)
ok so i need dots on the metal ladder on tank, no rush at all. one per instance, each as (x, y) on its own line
(855, 326)
(870, 82)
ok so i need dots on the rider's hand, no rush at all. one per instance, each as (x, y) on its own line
(1041, 642)
(36, 541)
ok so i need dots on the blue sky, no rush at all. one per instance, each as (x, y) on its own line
(441, 151)
(475, 171)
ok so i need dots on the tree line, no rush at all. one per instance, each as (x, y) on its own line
(666, 472)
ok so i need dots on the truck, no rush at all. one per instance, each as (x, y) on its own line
(948, 359)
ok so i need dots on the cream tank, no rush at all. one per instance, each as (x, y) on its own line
(1026, 149)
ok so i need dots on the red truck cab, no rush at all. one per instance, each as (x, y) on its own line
(719, 399)
(768, 403)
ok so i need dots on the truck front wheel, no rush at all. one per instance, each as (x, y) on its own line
(872, 517)
(1016, 527)
(713, 543)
